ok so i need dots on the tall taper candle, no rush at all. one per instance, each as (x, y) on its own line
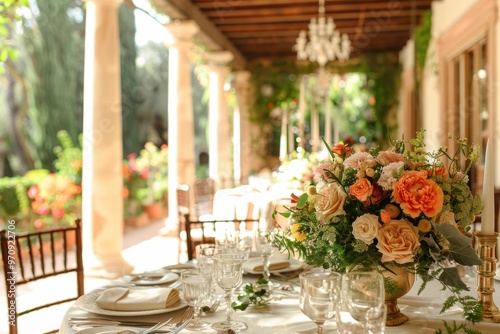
(488, 215)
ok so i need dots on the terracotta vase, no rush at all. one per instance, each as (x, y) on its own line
(154, 211)
(405, 281)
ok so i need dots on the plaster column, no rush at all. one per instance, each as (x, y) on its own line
(243, 160)
(219, 164)
(181, 167)
(102, 184)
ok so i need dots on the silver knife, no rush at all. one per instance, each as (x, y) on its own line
(107, 322)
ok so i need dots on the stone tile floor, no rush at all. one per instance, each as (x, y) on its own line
(145, 248)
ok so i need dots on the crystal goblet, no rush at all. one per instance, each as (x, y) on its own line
(228, 275)
(319, 294)
(196, 289)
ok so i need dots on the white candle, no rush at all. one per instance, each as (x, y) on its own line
(488, 215)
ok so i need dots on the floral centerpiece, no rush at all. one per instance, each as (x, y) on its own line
(395, 208)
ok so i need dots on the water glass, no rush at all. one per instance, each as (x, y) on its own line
(205, 262)
(319, 294)
(362, 304)
(196, 289)
(229, 276)
(264, 245)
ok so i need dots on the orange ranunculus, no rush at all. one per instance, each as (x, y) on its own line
(38, 223)
(58, 212)
(362, 189)
(125, 171)
(296, 233)
(393, 210)
(416, 194)
(125, 192)
(398, 241)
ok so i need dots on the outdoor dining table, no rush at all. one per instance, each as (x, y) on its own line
(283, 314)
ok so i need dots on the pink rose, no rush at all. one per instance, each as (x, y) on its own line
(329, 202)
(398, 241)
(416, 194)
(361, 189)
(32, 192)
(366, 228)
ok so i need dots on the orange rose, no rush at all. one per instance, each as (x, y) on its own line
(329, 202)
(398, 241)
(416, 194)
(362, 189)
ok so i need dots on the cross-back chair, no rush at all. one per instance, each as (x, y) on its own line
(31, 256)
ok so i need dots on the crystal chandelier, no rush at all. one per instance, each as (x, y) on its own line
(325, 43)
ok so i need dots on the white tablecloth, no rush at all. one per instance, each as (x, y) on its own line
(285, 317)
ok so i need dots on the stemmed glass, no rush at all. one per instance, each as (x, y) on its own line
(228, 274)
(195, 288)
(264, 245)
(362, 303)
(205, 261)
(319, 293)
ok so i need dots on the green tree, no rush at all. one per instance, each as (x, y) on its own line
(55, 47)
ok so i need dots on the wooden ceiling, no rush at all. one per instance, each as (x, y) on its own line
(265, 29)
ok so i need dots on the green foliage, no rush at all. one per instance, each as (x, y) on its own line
(452, 329)
(69, 157)
(423, 38)
(55, 44)
(9, 15)
(257, 294)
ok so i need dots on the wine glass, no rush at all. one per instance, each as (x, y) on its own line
(228, 274)
(205, 262)
(361, 308)
(264, 245)
(319, 293)
(195, 288)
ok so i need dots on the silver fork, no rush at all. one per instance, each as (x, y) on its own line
(186, 318)
(147, 330)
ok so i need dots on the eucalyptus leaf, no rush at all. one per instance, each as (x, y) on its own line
(460, 248)
(451, 277)
(302, 200)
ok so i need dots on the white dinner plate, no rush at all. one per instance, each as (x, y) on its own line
(151, 278)
(87, 302)
(251, 263)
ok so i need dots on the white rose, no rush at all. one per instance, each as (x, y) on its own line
(446, 217)
(366, 228)
(329, 202)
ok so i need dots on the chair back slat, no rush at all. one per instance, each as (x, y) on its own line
(44, 264)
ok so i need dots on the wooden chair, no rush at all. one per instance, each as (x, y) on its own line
(31, 256)
(201, 231)
(204, 192)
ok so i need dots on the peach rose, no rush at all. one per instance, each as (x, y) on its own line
(386, 157)
(416, 194)
(362, 189)
(296, 233)
(366, 228)
(329, 202)
(398, 241)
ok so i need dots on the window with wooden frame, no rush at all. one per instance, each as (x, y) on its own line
(466, 68)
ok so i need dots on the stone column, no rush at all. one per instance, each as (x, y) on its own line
(219, 166)
(181, 157)
(242, 154)
(102, 184)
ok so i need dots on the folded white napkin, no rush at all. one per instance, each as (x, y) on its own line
(274, 265)
(124, 299)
